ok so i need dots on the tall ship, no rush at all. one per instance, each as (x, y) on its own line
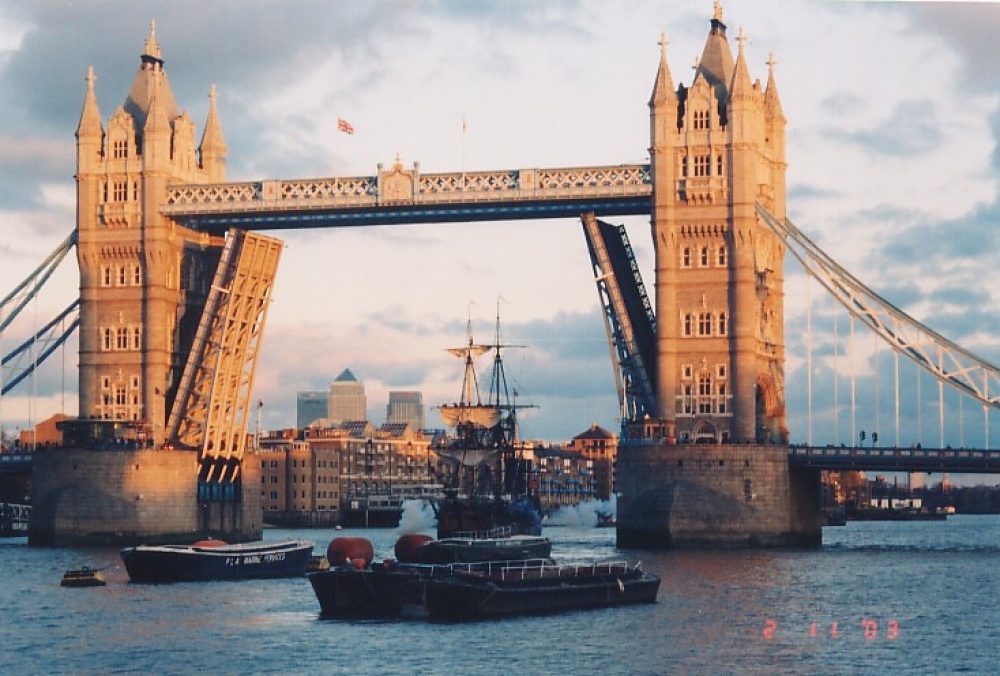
(488, 491)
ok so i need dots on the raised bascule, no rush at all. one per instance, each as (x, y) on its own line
(175, 282)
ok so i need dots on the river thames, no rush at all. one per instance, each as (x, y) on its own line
(916, 597)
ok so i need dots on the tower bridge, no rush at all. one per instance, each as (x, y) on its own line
(175, 281)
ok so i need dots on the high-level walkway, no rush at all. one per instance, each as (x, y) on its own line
(403, 195)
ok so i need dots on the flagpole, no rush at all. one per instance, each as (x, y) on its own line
(463, 152)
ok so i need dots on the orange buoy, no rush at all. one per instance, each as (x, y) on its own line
(349, 549)
(407, 544)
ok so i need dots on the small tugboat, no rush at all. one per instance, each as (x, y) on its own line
(355, 587)
(216, 560)
(83, 577)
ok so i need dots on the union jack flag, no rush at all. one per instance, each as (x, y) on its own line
(344, 126)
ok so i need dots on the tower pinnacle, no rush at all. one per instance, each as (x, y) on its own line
(152, 47)
(90, 118)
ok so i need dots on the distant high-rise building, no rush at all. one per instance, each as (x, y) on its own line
(406, 407)
(347, 399)
(310, 407)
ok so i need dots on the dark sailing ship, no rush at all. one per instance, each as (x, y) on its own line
(489, 492)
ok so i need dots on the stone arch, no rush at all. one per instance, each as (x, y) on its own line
(704, 432)
(768, 412)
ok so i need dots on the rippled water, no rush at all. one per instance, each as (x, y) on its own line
(928, 592)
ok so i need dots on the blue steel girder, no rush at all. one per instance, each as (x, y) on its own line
(47, 339)
(837, 458)
(947, 361)
(28, 289)
(396, 214)
(628, 316)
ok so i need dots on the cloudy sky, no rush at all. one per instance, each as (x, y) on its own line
(892, 112)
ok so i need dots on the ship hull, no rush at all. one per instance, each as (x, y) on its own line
(368, 593)
(179, 563)
(473, 596)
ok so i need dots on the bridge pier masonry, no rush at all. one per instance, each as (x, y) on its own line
(710, 466)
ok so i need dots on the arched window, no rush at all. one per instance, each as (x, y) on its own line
(686, 257)
(723, 323)
(722, 398)
(721, 258)
(703, 258)
(704, 324)
(704, 393)
(688, 324)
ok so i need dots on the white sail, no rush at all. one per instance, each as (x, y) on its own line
(477, 414)
(470, 350)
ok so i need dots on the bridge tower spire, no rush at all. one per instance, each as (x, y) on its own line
(717, 148)
(143, 280)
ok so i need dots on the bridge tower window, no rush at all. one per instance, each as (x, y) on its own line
(702, 119)
(721, 258)
(686, 257)
(688, 324)
(702, 165)
(723, 408)
(703, 258)
(704, 393)
(723, 323)
(122, 276)
(705, 324)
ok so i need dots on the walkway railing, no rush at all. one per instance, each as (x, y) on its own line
(896, 459)
(14, 519)
(407, 195)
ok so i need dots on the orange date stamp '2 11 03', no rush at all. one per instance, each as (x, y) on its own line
(870, 630)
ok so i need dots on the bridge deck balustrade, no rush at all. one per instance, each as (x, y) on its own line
(897, 459)
(583, 185)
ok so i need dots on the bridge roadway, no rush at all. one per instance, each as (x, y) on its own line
(401, 195)
(958, 461)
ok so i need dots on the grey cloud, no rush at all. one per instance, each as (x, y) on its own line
(911, 129)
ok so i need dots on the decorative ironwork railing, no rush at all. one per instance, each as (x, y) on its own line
(455, 187)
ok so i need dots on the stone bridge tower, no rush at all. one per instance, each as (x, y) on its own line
(149, 296)
(712, 468)
(143, 279)
(717, 149)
